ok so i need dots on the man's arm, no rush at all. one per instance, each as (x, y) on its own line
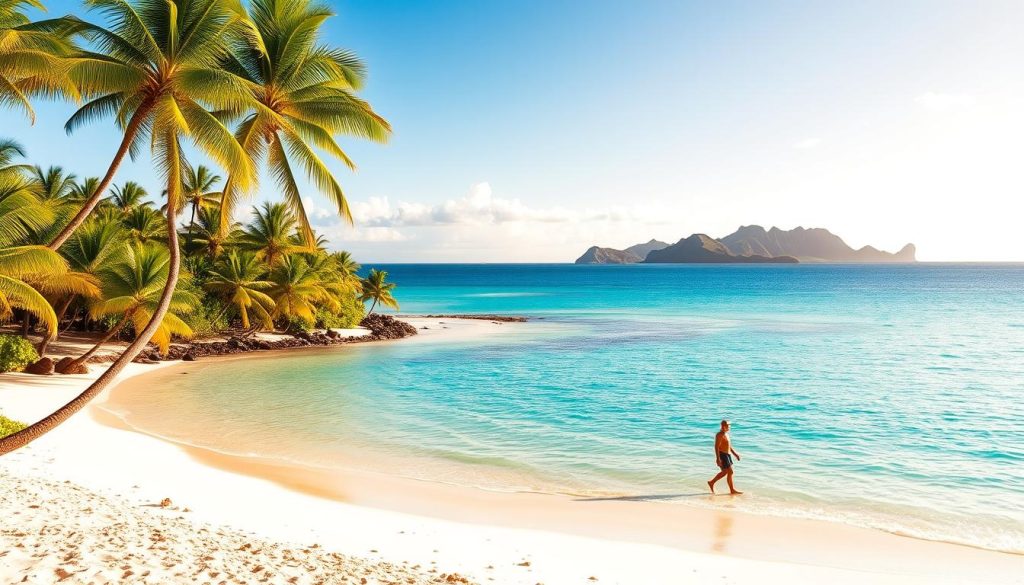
(718, 440)
(737, 455)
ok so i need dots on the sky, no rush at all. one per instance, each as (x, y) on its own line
(527, 131)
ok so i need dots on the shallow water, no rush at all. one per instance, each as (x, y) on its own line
(883, 396)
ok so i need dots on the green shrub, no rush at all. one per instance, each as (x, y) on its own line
(349, 315)
(9, 427)
(16, 353)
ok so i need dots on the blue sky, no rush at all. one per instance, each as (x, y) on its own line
(527, 131)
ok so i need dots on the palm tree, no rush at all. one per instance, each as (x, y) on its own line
(376, 289)
(84, 189)
(144, 224)
(270, 234)
(128, 197)
(156, 70)
(132, 290)
(9, 150)
(21, 212)
(208, 236)
(306, 93)
(197, 193)
(238, 278)
(346, 263)
(32, 58)
(296, 290)
(54, 183)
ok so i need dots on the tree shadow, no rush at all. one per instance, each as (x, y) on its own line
(643, 498)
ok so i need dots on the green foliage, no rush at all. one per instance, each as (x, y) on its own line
(16, 353)
(350, 312)
(9, 427)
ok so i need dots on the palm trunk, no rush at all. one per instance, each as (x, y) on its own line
(94, 199)
(26, 321)
(110, 334)
(372, 306)
(40, 428)
(41, 350)
(191, 224)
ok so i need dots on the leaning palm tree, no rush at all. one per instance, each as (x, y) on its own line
(306, 91)
(376, 289)
(32, 58)
(270, 234)
(156, 70)
(131, 292)
(239, 278)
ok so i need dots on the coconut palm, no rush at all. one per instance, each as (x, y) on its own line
(20, 213)
(296, 290)
(376, 289)
(197, 193)
(144, 224)
(155, 69)
(346, 263)
(84, 189)
(53, 184)
(238, 278)
(32, 58)
(132, 290)
(306, 90)
(208, 237)
(270, 235)
(9, 151)
(129, 196)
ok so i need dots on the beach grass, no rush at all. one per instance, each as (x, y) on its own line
(9, 427)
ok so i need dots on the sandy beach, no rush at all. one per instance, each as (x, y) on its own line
(97, 502)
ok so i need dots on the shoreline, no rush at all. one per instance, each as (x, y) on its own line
(559, 536)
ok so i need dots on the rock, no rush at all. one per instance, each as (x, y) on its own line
(67, 365)
(43, 367)
(165, 503)
(189, 357)
(333, 334)
(387, 327)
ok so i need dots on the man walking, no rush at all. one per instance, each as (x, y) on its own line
(723, 456)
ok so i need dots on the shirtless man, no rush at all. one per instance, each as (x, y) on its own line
(723, 457)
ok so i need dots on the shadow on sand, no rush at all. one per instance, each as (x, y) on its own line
(649, 498)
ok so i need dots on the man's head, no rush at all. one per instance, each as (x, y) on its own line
(725, 425)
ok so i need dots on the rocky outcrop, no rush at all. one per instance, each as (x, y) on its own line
(67, 365)
(596, 255)
(703, 249)
(808, 245)
(386, 327)
(43, 367)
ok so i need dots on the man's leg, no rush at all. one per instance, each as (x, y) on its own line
(721, 474)
(732, 489)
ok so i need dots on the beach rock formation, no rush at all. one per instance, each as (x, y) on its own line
(43, 367)
(386, 327)
(703, 249)
(807, 245)
(67, 365)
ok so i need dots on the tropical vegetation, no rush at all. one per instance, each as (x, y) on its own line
(243, 88)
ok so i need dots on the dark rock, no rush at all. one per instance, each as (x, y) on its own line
(333, 334)
(189, 357)
(67, 365)
(43, 367)
(387, 327)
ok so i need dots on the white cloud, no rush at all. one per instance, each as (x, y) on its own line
(944, 102)
(807, 143)
(479, 227)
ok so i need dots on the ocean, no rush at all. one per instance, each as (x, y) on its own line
(885, 396)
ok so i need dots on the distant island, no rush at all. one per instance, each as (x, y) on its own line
(749, 244)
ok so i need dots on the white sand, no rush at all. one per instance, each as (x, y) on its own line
(117, 475)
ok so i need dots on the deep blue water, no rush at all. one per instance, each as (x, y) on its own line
(885, 396)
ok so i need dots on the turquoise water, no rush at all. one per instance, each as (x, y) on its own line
(883, 396)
